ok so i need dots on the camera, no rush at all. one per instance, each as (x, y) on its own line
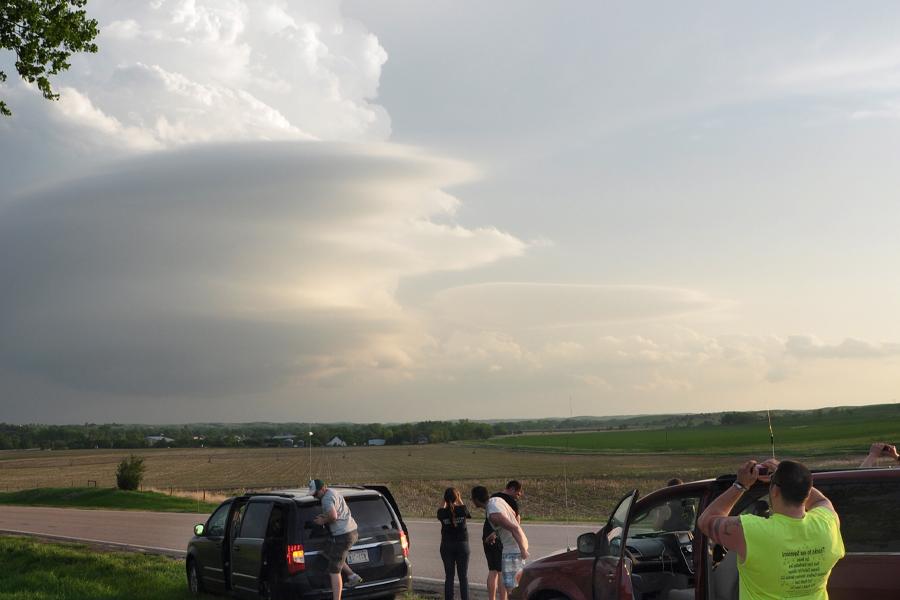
(762, 470)
(886, 450)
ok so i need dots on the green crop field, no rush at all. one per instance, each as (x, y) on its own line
(811, 433)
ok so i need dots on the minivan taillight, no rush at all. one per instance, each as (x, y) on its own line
(404, 544)
(296, 561)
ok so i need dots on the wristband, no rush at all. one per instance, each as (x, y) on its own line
(741, 487)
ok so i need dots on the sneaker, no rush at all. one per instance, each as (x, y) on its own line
(354, 580)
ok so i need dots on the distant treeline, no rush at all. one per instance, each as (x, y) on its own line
(91, 435)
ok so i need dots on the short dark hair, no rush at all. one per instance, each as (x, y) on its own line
(794, 480)
(514, 485)
(480, 494)
(674, 481)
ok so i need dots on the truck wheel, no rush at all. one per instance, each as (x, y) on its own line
(195, 585)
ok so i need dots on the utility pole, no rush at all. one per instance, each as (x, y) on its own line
(310, 440)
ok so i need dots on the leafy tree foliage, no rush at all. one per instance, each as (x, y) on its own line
(44, 34)
(130, 473)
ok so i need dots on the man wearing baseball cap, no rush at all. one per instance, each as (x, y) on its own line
(342, 528)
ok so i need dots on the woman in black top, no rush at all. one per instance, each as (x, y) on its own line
(454, 542)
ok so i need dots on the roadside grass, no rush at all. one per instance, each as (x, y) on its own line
(36, 570)
(108, 498)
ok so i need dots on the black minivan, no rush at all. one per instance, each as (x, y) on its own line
(266, 545)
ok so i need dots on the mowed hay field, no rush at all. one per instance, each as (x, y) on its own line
(417, 475)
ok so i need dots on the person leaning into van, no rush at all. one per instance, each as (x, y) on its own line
(788, 555)
(454, 542)
(342, 528)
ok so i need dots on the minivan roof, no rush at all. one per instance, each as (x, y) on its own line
(348, 491)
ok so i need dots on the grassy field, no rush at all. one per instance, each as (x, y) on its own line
(416, 474)
(105, 498)
(34, 570)
(809, 434)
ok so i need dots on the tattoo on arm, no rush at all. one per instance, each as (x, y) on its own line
(716, 528)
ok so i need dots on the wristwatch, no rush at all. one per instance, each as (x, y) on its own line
(739, 486)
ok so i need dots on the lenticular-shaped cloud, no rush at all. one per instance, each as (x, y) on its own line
(221, 269)
(520, 306)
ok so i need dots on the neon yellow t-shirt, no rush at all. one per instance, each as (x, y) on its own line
(788, 557)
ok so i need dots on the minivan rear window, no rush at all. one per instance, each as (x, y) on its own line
(868, 514)
(371, 513)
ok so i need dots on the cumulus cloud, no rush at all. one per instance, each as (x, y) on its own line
(230, 268)
(175, 72)
(806, 346)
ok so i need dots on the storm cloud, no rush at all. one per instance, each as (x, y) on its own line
(231, 268)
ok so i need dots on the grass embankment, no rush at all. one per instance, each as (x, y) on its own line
(35, 570)
(810, 433)
(104, 498)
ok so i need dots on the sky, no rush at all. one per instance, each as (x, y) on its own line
(247, 210)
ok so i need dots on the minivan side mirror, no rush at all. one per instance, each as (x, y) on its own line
(587, 543)
(199, 530)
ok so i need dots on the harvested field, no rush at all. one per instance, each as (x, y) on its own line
(416, 474)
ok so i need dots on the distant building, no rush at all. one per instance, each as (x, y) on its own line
(376, 442)
(285, 441)
(423, 439)
(336, 441)
(152, 440)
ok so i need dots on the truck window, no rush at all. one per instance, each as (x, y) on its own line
(868, 514)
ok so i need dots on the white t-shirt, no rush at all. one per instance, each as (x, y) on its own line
(499, 505)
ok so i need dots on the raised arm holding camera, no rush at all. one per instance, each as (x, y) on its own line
(788, 555)
(879, 450)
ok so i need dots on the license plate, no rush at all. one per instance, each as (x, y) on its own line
(357, 556)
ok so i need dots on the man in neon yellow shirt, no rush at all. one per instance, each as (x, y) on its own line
(788, 555)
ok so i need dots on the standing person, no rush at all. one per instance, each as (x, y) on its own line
(493, 549)
(515, 545)
(454, 543)
(342, 529)
(512, 493)
(788, 555)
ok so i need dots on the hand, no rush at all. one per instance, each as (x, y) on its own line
(772, 465)
(491, 539)
(319, 520)
(524, 552)
(889, 450)
(747, 474)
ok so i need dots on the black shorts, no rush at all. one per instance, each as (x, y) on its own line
(494, 555)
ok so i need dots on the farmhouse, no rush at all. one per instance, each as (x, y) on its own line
(376, 442)
(336, 441)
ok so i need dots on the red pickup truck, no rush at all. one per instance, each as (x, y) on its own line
(650, 548)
